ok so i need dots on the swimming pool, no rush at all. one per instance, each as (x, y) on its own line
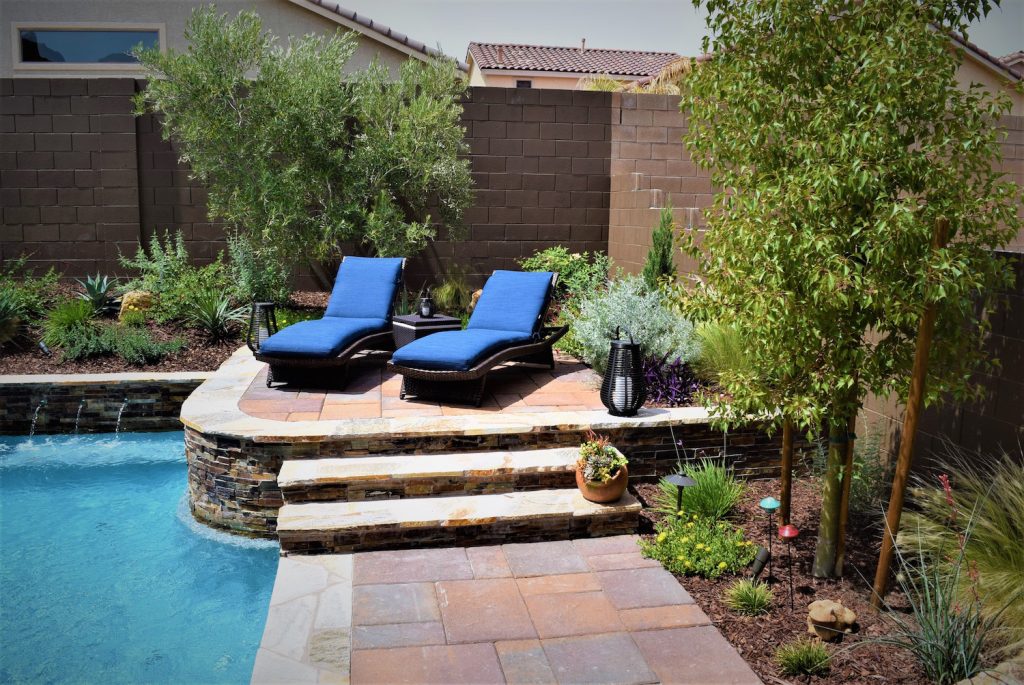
(106, 577)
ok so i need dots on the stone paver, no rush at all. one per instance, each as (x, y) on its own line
(483, 610)
(592, 659)
(373, 392)
(458, 615)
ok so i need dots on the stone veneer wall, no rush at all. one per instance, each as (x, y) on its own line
(154, 404)
(233, 482)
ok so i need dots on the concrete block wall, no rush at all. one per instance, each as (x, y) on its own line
(650, 168)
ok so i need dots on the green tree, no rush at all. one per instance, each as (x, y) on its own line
(659, 264)
(839, 134)
(298, 156)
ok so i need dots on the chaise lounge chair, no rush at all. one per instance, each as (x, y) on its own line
(358, 317)
(507, 326)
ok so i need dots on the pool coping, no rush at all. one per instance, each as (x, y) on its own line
(212, 409)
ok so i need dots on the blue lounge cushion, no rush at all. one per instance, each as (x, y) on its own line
(365, 288)
(321, 338)
(512, 301)
(455, 350)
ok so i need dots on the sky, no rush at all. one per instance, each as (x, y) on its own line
(625, 24)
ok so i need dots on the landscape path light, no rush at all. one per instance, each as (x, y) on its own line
(681, 482)
(789, 533)
(770, 505)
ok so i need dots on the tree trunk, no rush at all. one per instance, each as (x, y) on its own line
(844, 502)
(787, 472)
(322, 279)
(828, 525)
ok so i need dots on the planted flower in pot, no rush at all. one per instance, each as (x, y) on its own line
(601, 472)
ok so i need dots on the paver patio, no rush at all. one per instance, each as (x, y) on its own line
(373, 392)
(582, 611)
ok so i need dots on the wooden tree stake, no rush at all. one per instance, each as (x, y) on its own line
(910, 417)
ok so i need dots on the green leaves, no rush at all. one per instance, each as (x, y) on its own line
(297, 154)
(842, 134)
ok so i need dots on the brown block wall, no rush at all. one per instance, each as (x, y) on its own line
(650, 167)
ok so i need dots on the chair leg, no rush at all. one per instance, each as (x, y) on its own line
(270, 374)
(480, 390)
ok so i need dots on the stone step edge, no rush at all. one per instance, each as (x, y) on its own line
(304, 473)
(324, 517)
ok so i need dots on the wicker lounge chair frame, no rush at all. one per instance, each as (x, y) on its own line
(315, 371)
(467, 387)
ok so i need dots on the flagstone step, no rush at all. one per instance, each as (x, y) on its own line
(355, 479)
(341, 527)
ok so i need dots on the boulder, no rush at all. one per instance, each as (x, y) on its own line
(135, 300)
(828, 620)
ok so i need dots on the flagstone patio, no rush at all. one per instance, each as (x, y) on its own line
(581, 611)
(373, 392)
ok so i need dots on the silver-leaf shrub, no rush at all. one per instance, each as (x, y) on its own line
(629, 303)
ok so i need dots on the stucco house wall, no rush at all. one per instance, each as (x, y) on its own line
(280, 17)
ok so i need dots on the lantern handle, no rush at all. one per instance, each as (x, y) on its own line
(631, 341)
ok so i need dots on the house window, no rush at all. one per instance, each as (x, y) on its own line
(524, 84)
(75, 46)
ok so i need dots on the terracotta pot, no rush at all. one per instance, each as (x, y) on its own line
(603, 493)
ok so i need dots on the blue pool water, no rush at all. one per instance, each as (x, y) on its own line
(106, 578)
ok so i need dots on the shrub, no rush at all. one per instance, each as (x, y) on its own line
(211, 312)
(949, 632)
(136, 346)
(699, 546)
(286, 316)
(98, 291)
(11, 316)
(68, 323)
(659, 267)
(803, 657)
(628, 303)
(668, 383)
(579, 273)
(714, 494)
(259, 274)
(453, 295)
(749, 597)
(985, 573)
(721, 352)
(24, 293)
(168, 273)
(133, 317)
(872, 475)
(599, 461)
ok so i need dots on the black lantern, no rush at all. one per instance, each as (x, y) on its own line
(623, 389)
(262, 324)
(427, 306)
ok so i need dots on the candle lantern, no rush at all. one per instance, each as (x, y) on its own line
(681, 482)
(623, 390)
(770, 505)
(789, 533)
(427, 306)
(262, 324)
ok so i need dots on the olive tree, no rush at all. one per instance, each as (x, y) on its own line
(299, 156)
(839, 137)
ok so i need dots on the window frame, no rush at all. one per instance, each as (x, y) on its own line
(528, 82)
(98, 67)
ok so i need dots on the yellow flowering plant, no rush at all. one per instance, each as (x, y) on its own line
(700, 546)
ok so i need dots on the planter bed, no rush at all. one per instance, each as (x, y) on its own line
(757, 637)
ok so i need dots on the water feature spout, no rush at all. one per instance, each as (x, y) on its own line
(78, 415)
(117, 428)
(35, 416)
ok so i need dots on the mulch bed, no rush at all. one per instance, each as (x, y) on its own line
(856, 659)
(199, 353)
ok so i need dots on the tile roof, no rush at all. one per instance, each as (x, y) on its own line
(1014, 61)
(985, 56)
(376, 27)
(569, 60)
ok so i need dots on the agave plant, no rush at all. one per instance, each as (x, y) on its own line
(212, 312)
(98, 292)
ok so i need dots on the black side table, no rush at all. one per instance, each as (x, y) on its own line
(413, 326)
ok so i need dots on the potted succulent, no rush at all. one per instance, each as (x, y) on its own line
(601, 473)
